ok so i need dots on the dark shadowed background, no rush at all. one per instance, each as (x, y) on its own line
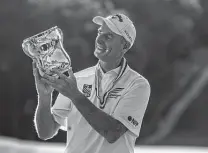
(170, 51)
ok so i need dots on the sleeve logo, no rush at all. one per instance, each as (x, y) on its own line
(132, 121)
(87, 90)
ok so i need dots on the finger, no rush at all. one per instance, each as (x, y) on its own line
(49, 82)
(35, 61)
(36, 73)
(35, 69)
(54, 85)
(61, 75)
(70, 71)
(49, 78)
(71, 74)
(34, 64)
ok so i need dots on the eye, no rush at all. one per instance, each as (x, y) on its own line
(99, 31)
(109, 36)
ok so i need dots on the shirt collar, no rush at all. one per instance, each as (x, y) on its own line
(118, 72)
(122, 69)
(113, 71)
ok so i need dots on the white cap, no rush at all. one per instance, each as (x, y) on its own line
(120, 24)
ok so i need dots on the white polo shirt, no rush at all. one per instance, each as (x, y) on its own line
(121, 93)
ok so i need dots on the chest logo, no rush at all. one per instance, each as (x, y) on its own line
(114, 93)
(87, 89)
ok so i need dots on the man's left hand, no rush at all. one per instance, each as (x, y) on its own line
(67, 86)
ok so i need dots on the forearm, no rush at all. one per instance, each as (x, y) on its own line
(45, 125)
(103, 123)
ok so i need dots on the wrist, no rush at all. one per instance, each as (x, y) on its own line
(45, 92)
(77, 97)
(44, 95)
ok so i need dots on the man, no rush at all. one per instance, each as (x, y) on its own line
(100, 107)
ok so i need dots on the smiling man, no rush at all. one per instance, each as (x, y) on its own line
(101, 107)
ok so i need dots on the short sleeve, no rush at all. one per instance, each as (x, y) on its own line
(61, 110)
(132, 106)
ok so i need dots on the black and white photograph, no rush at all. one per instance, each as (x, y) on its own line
(103, 76)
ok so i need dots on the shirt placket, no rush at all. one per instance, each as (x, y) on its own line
(105, 84)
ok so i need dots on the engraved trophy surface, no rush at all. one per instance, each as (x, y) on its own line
(47, 49)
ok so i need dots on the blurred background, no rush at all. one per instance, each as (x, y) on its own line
(170, 51)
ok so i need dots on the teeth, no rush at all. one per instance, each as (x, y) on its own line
(99, 47)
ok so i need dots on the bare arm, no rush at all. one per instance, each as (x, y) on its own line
(45, 124)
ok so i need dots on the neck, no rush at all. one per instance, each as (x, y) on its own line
(107, 66)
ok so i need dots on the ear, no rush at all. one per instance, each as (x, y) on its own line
(125, 44)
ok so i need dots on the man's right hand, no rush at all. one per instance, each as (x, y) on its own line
(41, 86)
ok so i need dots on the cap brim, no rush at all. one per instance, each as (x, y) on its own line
(99, 20)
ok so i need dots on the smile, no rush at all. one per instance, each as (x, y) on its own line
(101, 48)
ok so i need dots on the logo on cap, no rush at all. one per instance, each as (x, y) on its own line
(127, 34)
(117, 16)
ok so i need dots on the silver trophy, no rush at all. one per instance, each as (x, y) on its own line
(47, 49)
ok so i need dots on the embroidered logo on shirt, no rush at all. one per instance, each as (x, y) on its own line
(87, 90)
(114, 93)
(132, 121)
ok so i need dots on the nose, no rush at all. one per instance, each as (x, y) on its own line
(100, 39)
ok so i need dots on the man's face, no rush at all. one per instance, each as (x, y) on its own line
(108, 45)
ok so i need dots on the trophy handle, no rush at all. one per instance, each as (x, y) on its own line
(62, 36)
